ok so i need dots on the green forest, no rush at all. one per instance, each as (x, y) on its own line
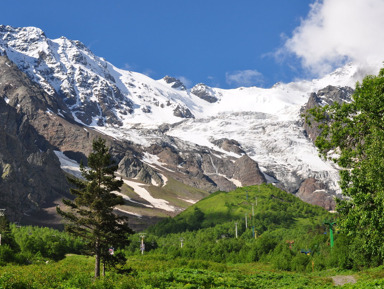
(286, 243)
(252, 237)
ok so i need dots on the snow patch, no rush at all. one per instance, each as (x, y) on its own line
(164, 178)
(189, 201)
(237, 183)
(144, 194)
(152, 160)
(319, 191)
(69, 165)
(130, 213)
(125, 197)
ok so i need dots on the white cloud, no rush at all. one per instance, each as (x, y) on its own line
(148, 72)
(246, 77)
(336, 31)
(127, 66)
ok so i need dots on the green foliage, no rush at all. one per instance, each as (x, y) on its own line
(192, 222)
(275, 209)
(278, 218)
(355, 131)
(6, 234)
(153, 272)
(49, 244)
(6, 254)
(282, 257)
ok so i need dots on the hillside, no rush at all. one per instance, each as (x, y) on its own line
(265, 206)
(280, 229)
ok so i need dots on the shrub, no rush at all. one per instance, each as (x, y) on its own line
(6, 254)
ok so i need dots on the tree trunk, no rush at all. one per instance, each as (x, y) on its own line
(97, 260)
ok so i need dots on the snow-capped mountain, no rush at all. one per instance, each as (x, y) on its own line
(176, 128)
(96, 92)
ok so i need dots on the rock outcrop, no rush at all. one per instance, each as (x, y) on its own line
(314, 192)
(229, 145)
(204, 92)
(174, 82)
(325, 96)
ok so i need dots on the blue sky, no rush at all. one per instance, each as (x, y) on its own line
(223, 43)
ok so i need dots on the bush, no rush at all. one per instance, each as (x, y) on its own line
(282, 257)
(300, 262)
(6, 254)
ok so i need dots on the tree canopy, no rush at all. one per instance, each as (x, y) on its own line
(90, 215)
(352, 134)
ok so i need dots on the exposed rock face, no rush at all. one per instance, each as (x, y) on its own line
(311, 190)
(47, 114)
(133, 168)
(176, 83)
(32, 125)
(328, 95)
(229, 145)
(182, 112)
(314, 192)
(24, 94)
(205, 169)
(204, 92)
(247, 172)
(30, 178)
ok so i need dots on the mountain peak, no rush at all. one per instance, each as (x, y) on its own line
(28, 33)
(175, 83)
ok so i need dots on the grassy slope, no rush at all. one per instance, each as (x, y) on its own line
(222, 207)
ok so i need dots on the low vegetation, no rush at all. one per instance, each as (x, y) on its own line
(289, 251)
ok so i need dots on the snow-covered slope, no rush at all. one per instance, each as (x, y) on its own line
(96, 92)
(132, 106)
(268, 125)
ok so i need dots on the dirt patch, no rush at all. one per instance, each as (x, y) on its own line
(340, 280)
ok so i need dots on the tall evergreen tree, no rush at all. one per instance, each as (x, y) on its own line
(6, 234)
(90, 215)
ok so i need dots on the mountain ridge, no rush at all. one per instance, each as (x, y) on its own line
(209, 138)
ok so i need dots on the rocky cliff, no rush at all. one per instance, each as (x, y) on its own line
(31, 179)
(326, 96)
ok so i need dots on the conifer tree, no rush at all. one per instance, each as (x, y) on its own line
(90, 215)
(7, 237)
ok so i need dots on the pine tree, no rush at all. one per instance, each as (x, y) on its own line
(90, 215)
(6, 233)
